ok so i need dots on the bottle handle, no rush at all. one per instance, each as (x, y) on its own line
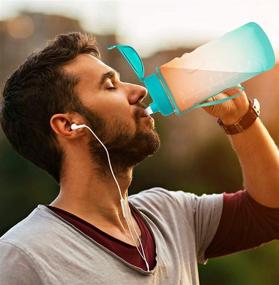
(216, 102)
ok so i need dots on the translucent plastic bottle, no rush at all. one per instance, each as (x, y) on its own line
(185, 83)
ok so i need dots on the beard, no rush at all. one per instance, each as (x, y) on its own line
(126, 150)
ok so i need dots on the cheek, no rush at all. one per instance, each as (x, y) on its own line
(120, 124)
(115, 109)
(113, 104)
(118, 115)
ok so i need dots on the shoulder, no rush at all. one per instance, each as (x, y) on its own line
(27, 271)
(161, 198)
(29, 231)
(156, 197)
(161, 204)
(20, 247)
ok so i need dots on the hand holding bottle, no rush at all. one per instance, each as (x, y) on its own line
(232, 110)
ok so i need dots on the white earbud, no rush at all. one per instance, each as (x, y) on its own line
(75, 126)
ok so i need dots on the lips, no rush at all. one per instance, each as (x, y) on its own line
(141, 114)
(144, 114)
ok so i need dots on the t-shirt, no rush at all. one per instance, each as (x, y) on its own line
(125, 251)
(45, 249)
(244, 224)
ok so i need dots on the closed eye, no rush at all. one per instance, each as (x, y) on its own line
(111, 75)
(113, 85)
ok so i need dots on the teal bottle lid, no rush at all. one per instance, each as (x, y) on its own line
(154, 83)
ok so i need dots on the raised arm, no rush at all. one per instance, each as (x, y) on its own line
(255, 148)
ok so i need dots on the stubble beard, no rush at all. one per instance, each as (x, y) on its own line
(126, 150)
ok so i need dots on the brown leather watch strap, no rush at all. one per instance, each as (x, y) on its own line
(246, 121)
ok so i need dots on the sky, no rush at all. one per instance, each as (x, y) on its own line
(155, 25)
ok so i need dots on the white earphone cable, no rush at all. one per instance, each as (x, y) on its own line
(139, 239)
(124, 202)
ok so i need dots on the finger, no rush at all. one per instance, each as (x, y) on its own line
(226, 93)
(235, 90)
(217, 97)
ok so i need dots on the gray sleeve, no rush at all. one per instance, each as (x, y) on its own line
(16, 267)
(205, 212)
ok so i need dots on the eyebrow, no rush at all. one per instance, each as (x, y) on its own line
(108, 75)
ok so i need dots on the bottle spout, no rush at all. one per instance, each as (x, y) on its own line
(151, 109)
(148, 111)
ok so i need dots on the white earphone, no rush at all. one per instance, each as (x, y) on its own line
(75, 126)
(124, 203)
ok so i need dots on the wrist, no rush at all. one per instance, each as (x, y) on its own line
(235, 125)
(237, 116)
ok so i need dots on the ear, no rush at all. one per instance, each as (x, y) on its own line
(61, 125)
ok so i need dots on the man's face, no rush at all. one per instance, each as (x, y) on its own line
(113, 110)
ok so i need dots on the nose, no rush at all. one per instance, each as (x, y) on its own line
(137, 94)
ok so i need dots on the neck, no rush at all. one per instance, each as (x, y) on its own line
(93, 197)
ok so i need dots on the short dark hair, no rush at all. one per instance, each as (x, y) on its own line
(38, 89)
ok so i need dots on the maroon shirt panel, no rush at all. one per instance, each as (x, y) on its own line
(244, 224)
(128, 252)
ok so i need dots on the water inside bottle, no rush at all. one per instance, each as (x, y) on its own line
(189, 86)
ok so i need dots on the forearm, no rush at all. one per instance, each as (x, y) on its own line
(259, 160)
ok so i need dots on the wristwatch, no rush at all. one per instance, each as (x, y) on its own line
(246, 121)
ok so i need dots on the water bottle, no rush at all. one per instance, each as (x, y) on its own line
(187, 82)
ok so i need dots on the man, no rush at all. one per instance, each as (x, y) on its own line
(82, 237)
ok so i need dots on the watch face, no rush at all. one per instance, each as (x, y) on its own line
(256, 106)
